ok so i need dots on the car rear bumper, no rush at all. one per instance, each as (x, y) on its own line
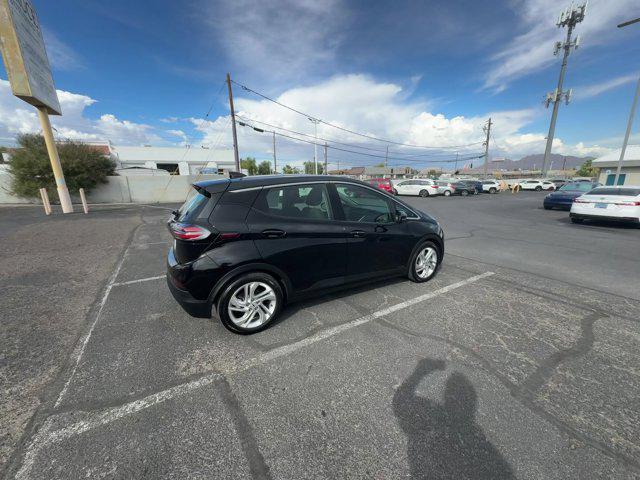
(585, 216)
(193, 306)
(566, 204)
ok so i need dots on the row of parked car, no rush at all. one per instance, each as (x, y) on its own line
(425, 187)
(593, 201)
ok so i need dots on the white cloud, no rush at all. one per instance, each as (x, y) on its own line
(18, 117)
(278, 39)
(380, 109)
(532, 50)
(588, 91)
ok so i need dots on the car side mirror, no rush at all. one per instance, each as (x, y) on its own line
(401, 217)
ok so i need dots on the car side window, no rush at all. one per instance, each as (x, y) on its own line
(361, 204)
(309, 201)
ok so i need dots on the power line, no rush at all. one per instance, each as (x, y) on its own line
(313, 118)
(409, 155)
(360, 153)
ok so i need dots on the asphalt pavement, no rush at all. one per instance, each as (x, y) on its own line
(519, 360)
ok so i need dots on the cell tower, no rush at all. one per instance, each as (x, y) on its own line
(568, 18)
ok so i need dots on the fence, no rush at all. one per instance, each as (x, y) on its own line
(131, 189)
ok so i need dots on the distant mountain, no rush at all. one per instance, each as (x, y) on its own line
(534, 162)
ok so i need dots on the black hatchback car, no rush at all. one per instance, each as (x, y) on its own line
(244, 247)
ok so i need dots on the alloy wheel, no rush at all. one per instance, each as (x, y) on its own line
(426, 262)
(252, 305)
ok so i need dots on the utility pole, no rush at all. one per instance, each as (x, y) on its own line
(275, 165)
(455, 169)
(568, 18)
(233, 125)
(315, 145)
(326, 171)
(564, 163)
(386, 158)
(632, 114)
(487, 129)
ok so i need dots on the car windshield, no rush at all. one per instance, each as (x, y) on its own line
(577, 187)
(631, 192)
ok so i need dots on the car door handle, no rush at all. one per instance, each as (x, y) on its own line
(358, 233)
(274, 233)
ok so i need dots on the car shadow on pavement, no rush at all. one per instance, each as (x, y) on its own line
(443, 439)
(337, 293)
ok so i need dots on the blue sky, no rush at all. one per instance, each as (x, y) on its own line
(428, 73)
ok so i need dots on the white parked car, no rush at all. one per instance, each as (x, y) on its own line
(417, 186)
(620, 203)
(537, 185)
(491, 186)
(445, 187)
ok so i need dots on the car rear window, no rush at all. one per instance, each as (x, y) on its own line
(194, 205)
(631, 192)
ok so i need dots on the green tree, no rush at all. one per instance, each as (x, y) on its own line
(309, 168)
(587, 170)
(380, 165)
(289, 170)
(264, 168)
(83, 167)
(249, 164)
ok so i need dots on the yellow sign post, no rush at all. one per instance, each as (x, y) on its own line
(27, 64)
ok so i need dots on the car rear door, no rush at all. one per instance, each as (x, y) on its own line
(295, 230)
(377, 243)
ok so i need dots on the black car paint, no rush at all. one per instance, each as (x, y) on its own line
(313, 255)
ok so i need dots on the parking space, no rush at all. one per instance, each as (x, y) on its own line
(517, 361)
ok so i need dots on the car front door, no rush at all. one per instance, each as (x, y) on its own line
(377, 243)
(294, 229)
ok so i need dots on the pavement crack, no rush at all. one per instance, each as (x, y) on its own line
(257, 465)
(582, 346)
(547, 367)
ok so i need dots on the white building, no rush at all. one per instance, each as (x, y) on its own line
(177, 160)
(630, 173)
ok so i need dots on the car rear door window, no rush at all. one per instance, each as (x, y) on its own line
(361, 204)
(309, 201)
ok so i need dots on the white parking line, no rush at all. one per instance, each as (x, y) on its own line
(97, 419)
(139, 280)
(79, 350)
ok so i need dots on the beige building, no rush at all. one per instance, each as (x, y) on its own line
(630, 173)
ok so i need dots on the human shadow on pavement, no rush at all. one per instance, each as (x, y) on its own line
(443, 439)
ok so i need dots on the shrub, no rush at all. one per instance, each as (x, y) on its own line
(83, 167)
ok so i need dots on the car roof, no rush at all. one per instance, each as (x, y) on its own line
(215, 186)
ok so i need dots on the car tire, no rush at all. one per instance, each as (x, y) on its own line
(492, 190)
(415, 273)
(538, 188)
(424, 193)
(464, 193)
(447, 193)
(577, 220)
(262, 284)
(547, 207)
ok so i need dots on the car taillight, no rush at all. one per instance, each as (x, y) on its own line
(183, 231)
(629, 204)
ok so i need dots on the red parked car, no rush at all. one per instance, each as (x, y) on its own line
(382, 184)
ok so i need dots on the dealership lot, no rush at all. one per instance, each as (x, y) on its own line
(519, 360)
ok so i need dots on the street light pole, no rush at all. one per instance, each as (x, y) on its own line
(632, 115)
